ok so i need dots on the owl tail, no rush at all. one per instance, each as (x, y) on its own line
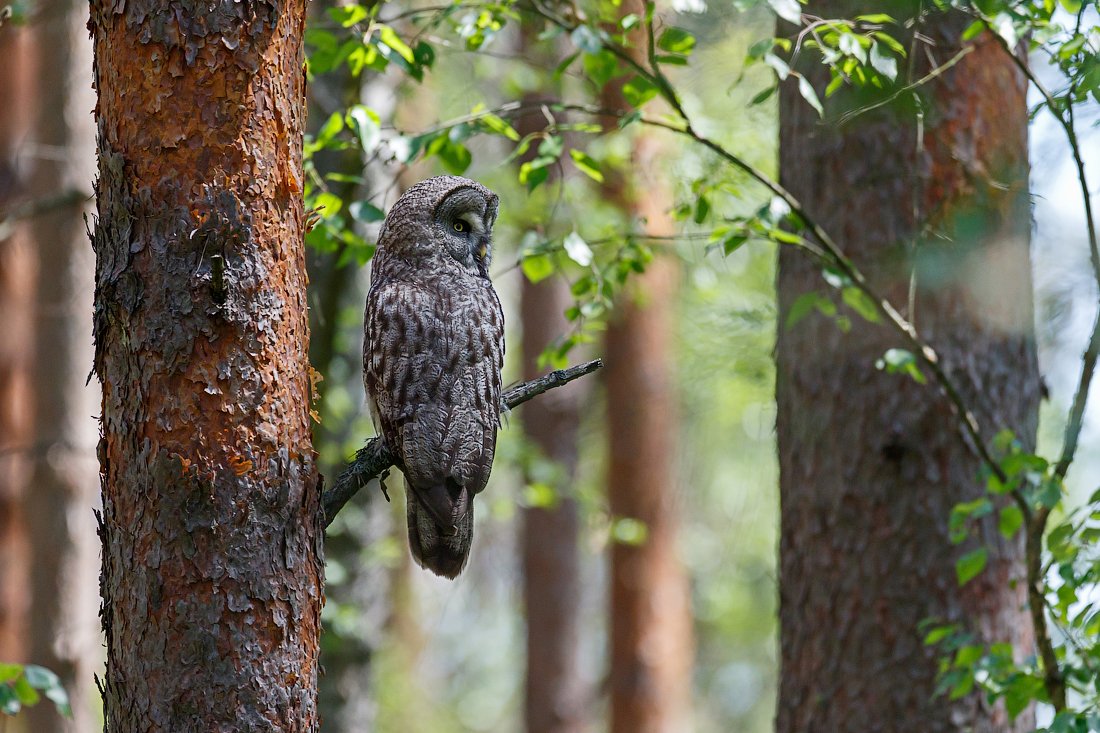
(441, 527)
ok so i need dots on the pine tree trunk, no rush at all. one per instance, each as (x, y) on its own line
(212, 581)
(872, 463)
(16, 344)
(554, 701)
(651, 636)
(554, 694)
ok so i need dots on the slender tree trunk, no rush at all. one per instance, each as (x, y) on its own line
(16, 343)
(554, 700)
(212, 581)
(872, 463)
(554, 695)
(651, 636)
(62, 492)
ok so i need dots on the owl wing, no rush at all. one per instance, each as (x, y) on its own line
(432, 360)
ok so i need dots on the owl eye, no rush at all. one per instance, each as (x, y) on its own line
(461, 226)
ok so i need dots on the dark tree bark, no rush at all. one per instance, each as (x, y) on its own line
(212, 581)
(651, 635)
(872, 463)
(62, 490)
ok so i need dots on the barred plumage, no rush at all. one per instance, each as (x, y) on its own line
(432, 357)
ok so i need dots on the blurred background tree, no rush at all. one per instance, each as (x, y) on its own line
(625, 573)
(48, 430)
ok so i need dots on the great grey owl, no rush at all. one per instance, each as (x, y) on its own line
(432, 357)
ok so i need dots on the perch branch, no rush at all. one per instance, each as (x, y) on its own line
(374, 458)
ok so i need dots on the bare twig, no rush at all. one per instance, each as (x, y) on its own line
(931, 75)
(37, 207)
(374, 458)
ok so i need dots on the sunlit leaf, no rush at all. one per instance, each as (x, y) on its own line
(788, 10)
(638, 91)
(883, 63)
(578, 249)
(676, 40)
(806, 89)
(586, 164)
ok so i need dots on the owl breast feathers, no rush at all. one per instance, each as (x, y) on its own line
(432, 357)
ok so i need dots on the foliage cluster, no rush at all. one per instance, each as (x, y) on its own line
(869, 55)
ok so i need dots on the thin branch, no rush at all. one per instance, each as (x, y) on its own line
(852, 114)
(374, 459)
(1053, 680)
(37, 207)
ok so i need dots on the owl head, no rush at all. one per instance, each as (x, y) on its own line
(447, 216)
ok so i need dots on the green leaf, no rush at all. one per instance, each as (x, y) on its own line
(333, 125)
(788, 10)
(540, 495)
(348, 15)
(25, 693)
(1010, 520)
(329, 203)
(938, 634)
(973, 30)
(367, 125)
(552, 147)
(534, 173)
(9, 702)
(890, 42)
(600, 67)
(586, 39)
(875, 18)
(702, 209)
(733, 243)
(537, 267)
(896, 361)
(883, 63)
(586, 164)
(498, 126)
(366, 212)
(1050, 493)
(665, 58)
(424, 54)
(456, 158)
(627, 531)
(806, 304)
(677, 41)
(389, 37)
(577, 249)
(969, 565)
(782, 70)
(9, 672)
(638, 91)
(41, 678)
(764, 96)
(861, 303)
(806, 89)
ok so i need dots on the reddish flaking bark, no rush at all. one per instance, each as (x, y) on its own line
(212, 582)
